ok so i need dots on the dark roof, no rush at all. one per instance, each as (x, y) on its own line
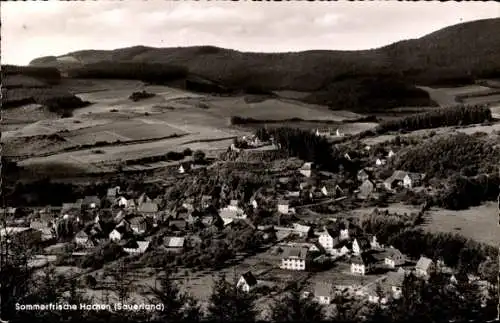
(121, 229)
(249, 278)
(415, 176)
(324, 289)
(398, 175)
(364, 258)
(363, 242)
(300, 253)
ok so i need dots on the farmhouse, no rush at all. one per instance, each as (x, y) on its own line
(306, 169)
(139, 225)
(424, 267)
(174, 244)
(380, 162)
(412, 180)
(328, 239)
(395, 180)
(395, 281)
(294, 258)
(136, 247)
(247, 282)
(302, 231)
(184, 168)
(283, 207)
(366, 190)
(390, 154)
(362, 264)
(118, 233)
(363, 175)
(360, 245)
(324, 292)
(394, 258)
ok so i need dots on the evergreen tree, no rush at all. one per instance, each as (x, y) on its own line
(294, 307)
(229, 303)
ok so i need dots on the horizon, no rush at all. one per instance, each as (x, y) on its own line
(36, 29)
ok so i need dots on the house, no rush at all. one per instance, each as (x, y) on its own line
(375, 296)
(283, 206)
(366, 190)
(303, 231)
(229, 215)
(324, 191)
(395, 180)
(324, 292)
(82, 238)
(139, 225)
(363, 175)
(394, 258)
(174, 244)
(118, 233)
(338, 133)
(362, 264)
(206, 201)
(380, 162)
(360, 245)
(113, 192)
(293, 194)
(347, 156)
(233, 205)
(395, 281)
(328, 239)
(424, 267)
(254, 203)
(136, 247)
(412, 180)
(304, 185)
(46, 228)
(148, 209)
(344, 231)
(91, 202)
(390, 154)
(183, 168)
(322, 132)
(247, 282)
(294, 258)
(306, 169)
(373, 241)
(178, 224)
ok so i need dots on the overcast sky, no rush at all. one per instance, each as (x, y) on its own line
(33, 29)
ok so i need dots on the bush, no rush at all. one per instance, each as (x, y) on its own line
(137, 96)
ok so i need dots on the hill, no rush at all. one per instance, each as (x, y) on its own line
(454, 55)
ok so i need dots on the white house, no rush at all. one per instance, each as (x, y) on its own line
(394, 258)
(361, 265)
(338, 133)
(328, 239)
(395, 281)
(390, 154)
(412, 180)
(233, 205)
(283, 207)
(373, 242)
(360, 245)
(380, 162)
(247, 282)
(346, 156)
(322, 132)
(81, 238)
(302, 230)
(255, 204)
(424, 267)
(117, 234)
(294, 258)
(324, 292)
(344, 233)
(306, 169)
(324, 191)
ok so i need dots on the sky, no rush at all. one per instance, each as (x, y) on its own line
(34, 29)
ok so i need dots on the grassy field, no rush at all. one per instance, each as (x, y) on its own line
(478, 223)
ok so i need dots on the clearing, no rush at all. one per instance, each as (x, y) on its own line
(479, 223)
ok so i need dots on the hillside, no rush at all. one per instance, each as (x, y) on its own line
(454, 55)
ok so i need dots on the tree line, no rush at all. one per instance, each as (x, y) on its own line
(441, 117)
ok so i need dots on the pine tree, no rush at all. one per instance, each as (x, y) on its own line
(294, 307)
(228, 303)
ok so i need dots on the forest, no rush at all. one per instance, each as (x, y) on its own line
(458, 115)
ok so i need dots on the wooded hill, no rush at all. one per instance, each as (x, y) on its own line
(357, 80)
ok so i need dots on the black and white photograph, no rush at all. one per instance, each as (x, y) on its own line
(250, 161)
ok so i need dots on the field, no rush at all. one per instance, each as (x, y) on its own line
(478, 223)
(450, 96)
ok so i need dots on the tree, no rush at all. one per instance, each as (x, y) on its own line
(198, 157)
(296, 308)
(178, 306)
(229, 303)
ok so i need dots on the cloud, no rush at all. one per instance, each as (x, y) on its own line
(33, 29)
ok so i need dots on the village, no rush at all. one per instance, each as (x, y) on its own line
(333, 252)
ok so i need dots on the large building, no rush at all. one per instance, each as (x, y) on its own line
(294, 259)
